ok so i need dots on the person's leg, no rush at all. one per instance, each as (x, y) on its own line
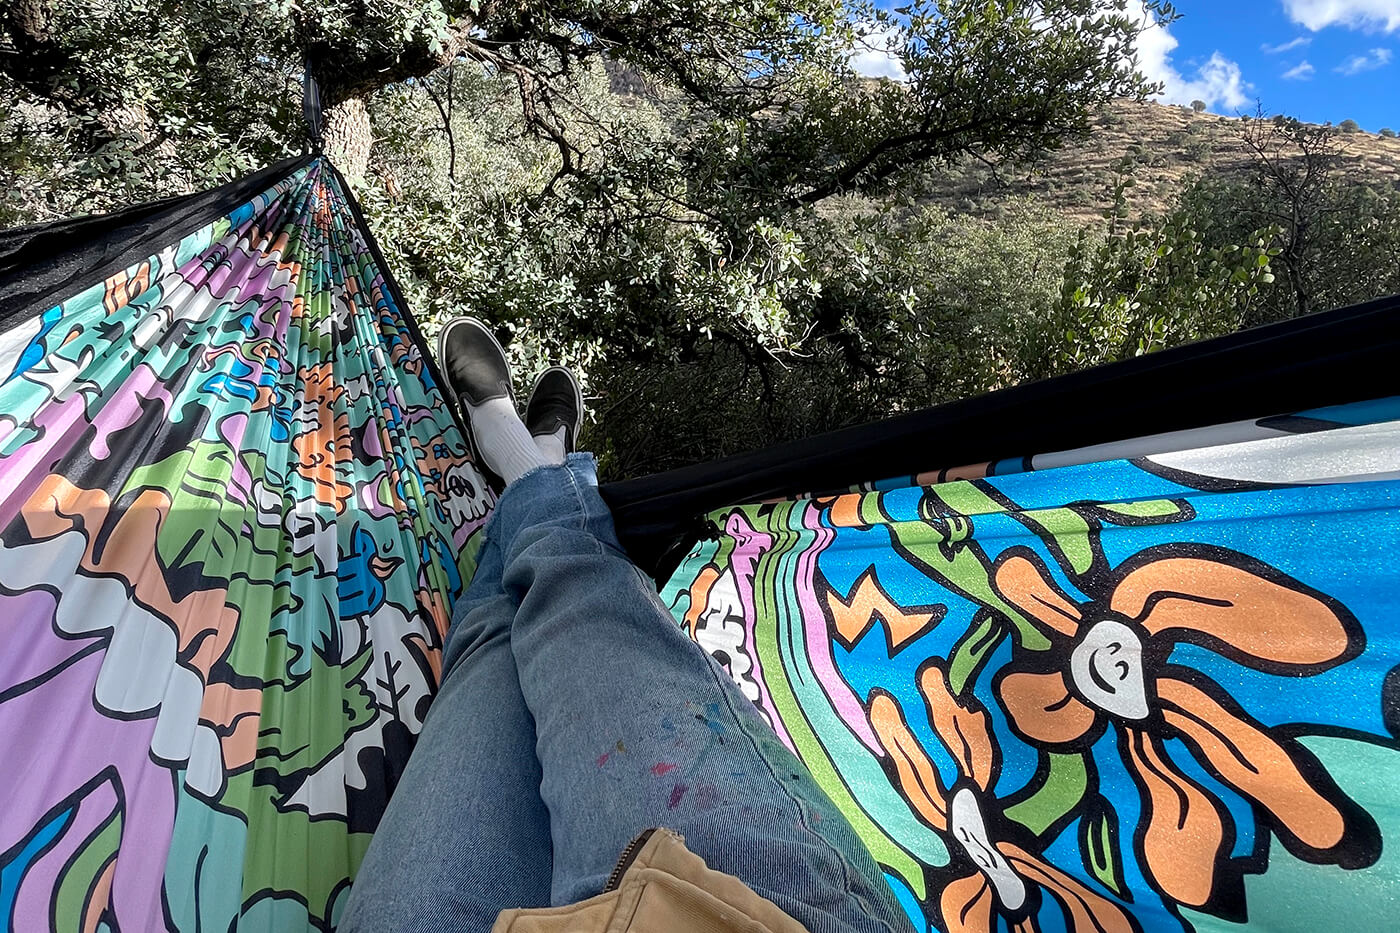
(466, 834)
(638, 727)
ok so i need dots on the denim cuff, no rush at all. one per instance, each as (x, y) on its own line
(546, 491)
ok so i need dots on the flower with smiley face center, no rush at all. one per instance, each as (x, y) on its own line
(1110, 665)
(994, 876)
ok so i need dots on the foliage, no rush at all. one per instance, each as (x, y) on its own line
(1349, 126)
(136, 99)
(1154, 285)
(1198, 150)
(1334, 234)
(930, 307)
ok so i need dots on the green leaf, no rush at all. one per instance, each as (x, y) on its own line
(1098, 843)
(1065, 778)
(1146, 512)
(973, 648)
(1066, 531)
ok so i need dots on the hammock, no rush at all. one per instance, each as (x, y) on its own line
(1148, 682)
(234, 513)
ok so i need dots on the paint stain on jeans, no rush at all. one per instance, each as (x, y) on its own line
(619, 748)
(677, 792)
(708, 718)
(661, 768)
(707, 796)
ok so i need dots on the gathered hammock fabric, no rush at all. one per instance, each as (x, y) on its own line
(1149, 680)
(235, 510)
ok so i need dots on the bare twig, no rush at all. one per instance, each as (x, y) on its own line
(446, 115)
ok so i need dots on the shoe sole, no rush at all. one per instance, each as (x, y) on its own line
(578, 397)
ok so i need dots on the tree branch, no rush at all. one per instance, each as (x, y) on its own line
(446, 125)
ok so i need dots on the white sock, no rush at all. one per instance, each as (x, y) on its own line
(504, 441)
(551, 446)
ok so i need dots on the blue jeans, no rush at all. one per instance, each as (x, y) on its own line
(574, 714)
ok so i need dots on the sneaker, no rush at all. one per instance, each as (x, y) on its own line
(476, 371)
(555, 401)
(473, 362)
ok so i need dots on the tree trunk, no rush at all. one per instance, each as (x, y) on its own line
(346, 136)
(33, 18)
(33, 57)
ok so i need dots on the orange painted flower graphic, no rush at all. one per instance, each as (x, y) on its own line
(1111, 664)
(993, 875)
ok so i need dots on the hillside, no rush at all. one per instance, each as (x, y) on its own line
(1168, 145)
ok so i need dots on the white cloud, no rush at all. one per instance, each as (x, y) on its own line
(1300, 72)
(1376, 58)
(1218, 82)
(879, 55)
(1289, 46)
(1357, 14)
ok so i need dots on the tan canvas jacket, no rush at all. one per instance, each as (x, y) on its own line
(659, 886)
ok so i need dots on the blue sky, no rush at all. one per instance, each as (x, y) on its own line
(1319, 60)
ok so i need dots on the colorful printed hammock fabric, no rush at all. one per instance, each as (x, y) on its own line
(1156, 694)
(234, 514)
(1075, 692)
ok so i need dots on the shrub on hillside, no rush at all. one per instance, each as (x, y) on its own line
(1198, 151)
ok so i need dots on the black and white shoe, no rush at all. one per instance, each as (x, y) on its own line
(555, 402)
(476, 370)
